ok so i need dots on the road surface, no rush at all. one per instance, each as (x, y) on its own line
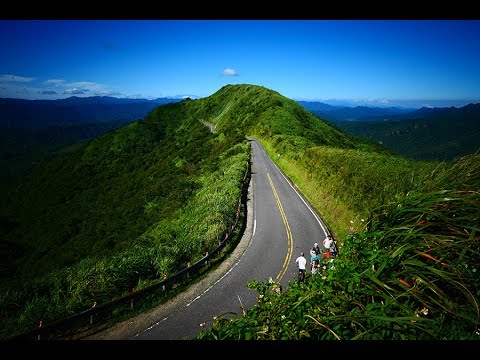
(280, 225)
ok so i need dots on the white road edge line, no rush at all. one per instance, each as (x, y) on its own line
(216, 282)
(300, 196)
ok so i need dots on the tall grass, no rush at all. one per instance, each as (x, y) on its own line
(344, 184)
(164, 248)
(411, 274)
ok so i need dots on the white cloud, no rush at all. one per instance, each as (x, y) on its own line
(109, 93)
(15, 78)
(135, 96)
(84, 84)
(55, 82)
(75, 91)
(186, 96)
(78, 87)
(32, 88)
(229, 72)
(371, 101)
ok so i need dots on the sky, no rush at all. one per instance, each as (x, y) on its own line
(410, 63)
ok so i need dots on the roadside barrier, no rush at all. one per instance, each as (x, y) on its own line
(72, 326)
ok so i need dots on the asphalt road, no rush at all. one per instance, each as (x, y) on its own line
(280, 225)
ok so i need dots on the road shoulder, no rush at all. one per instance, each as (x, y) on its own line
(129, 328)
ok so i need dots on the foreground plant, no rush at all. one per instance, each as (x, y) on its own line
(412, 274)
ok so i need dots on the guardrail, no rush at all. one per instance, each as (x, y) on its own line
(71, 326)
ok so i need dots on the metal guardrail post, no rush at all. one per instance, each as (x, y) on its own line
(73, 320)
(39, 327)
(206, 259)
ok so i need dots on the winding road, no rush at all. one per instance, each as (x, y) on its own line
(280, 225)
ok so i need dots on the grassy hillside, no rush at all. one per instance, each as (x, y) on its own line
(118, 212)
(22, 150)
(342, 175)
(140, 201)
(409, 236)
(345, 184)
(255, 110)
(410, 274)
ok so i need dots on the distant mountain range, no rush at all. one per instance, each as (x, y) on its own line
(424, 134)
(35, 130)
(32, 131)
(36, 114)
(335, 113)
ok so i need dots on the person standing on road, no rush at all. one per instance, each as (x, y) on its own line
(314, 257)
(315, 267)
(301, 263)
(316, 248)
(327, 243)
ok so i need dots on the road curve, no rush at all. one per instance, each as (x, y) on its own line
(280, 225)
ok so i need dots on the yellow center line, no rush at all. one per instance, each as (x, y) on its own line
(287, 229)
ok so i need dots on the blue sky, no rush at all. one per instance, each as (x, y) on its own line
(375, 62)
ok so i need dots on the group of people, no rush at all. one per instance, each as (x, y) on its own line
(315, 256)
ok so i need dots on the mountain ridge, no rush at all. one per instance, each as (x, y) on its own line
(426, 134)
(92, 100)
(121, 210)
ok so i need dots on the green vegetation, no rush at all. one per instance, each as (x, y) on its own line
(440, 136)
(411, 274)
(345, 184)
(22, 150)
(407, 271)
(142, 200)
(116, 213)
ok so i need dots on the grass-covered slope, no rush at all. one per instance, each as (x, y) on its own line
(343, 176)
(409, 236)
(118, 212)
(22, 150)
(410, 274)
(256, 110)
(142, 200)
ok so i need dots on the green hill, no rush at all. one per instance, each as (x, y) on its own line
(411, 273)
(142, 200)
(408, 232)
(21, 150)
(115, 213)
